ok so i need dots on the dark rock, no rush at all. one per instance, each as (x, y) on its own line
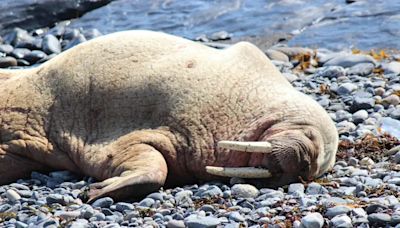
(81, 38)
(361, 103)
(20, 53)
(7, 62)
(34, 56)
(28, 14)
(23, 62)
(51, 44)
(18, 36)
(92, 33)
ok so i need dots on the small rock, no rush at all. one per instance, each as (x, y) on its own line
(277, 55)
(392, 68)
(361, 69)
(80, 39)
(195, 221)
(337, 210)
(294, 51)
(296, 189)
(360, 116)
(121, 206)
(8, 61)
(350, 60)
(361, 103)
(244, 191)
(392, 99)
(104, 202)
(342, 221)
(315, 189)
(330, 72)
(34, 56)
(395, 114)
(312, 220)
(346, 88)
(367, 161)
(6, 48)
(175, 224)
(51, 44)
(20, 53)
(379, 218)
(236, 216)
(12, 195)
(147, 202)
(67, 215)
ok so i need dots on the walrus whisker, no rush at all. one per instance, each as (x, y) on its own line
(241, 172)
(251, 147)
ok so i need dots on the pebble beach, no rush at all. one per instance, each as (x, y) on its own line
(359, 89)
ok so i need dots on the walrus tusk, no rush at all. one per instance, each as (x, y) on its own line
(242, 172)
(251, 147)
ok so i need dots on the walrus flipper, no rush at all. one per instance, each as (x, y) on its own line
(134, 166)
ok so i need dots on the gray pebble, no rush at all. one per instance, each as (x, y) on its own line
(296, 189)
(195, 221)
(147, 202)
(350, 60)
(330, 72)
(277, 55)
(346, 88)
(342, 221)
(315, 188)
(337, 210)
(362, 69)
(312, 220)
(175, 224)
(34, 56)
(379, 218)
(121, 206)
(51, 44)
(104, 202)
(360, 116)
(6, 48)
(361, 103)
(20, 53)
(244, 191)
(236, 216)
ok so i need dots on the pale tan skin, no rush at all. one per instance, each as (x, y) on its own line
(139, 110)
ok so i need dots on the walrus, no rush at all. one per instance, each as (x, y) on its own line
(138, 110)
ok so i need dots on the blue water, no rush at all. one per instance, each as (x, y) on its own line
(365, 24)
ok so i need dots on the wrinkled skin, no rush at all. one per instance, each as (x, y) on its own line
(138, 110)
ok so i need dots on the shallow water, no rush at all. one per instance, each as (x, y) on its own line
(334, 24)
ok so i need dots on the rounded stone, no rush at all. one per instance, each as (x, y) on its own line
(12, 195)
(277, 55)
(8, 61)
(379, 218)
(34, 56)
(175, 224)
(104, 202)
(312, 220)
(360, 116)
(342, 221)
(244, 191)
(51, 44)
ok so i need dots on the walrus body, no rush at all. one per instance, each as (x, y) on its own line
(140, 109)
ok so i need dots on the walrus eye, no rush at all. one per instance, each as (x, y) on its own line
(251, 147)
(241, 172)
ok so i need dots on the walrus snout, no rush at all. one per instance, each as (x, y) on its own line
(285, 157)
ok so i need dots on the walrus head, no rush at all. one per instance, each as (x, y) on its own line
(282, 157)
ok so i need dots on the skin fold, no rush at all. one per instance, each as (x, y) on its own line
(139, 110)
